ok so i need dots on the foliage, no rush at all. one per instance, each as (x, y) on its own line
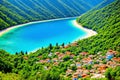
(10, 76)
(113, 73)
(28, 66)
(14, 12)
(106, 22)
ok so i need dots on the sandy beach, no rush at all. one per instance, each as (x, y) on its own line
(8, 29)
(13, 27)
(89, 31)
(21, 25)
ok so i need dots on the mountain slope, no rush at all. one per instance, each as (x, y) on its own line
(44, 64)
(106, 22)
(102, 4)
(13, 12)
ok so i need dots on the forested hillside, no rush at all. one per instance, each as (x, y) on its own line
(14, 12)
(106, 22)
(81, 60)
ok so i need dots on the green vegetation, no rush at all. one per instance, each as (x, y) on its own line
(14, 12)
(53, 62)
(9, 76)
(113, 73)
(106, 22)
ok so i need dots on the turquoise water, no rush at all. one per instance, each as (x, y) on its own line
(34, 36)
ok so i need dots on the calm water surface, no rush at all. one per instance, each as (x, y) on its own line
(34, 36)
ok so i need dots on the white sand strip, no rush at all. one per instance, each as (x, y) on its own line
(21, 25)
(89, 31)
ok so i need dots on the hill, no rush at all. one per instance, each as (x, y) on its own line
(14, 12)
(62, 62)
(106, 22)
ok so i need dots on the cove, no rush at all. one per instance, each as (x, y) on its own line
(33, 36)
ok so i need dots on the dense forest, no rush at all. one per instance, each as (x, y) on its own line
(14, 12)
(56, 62)
(106, 22)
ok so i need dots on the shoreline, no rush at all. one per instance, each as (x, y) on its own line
(21, 25)
(89, 32)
